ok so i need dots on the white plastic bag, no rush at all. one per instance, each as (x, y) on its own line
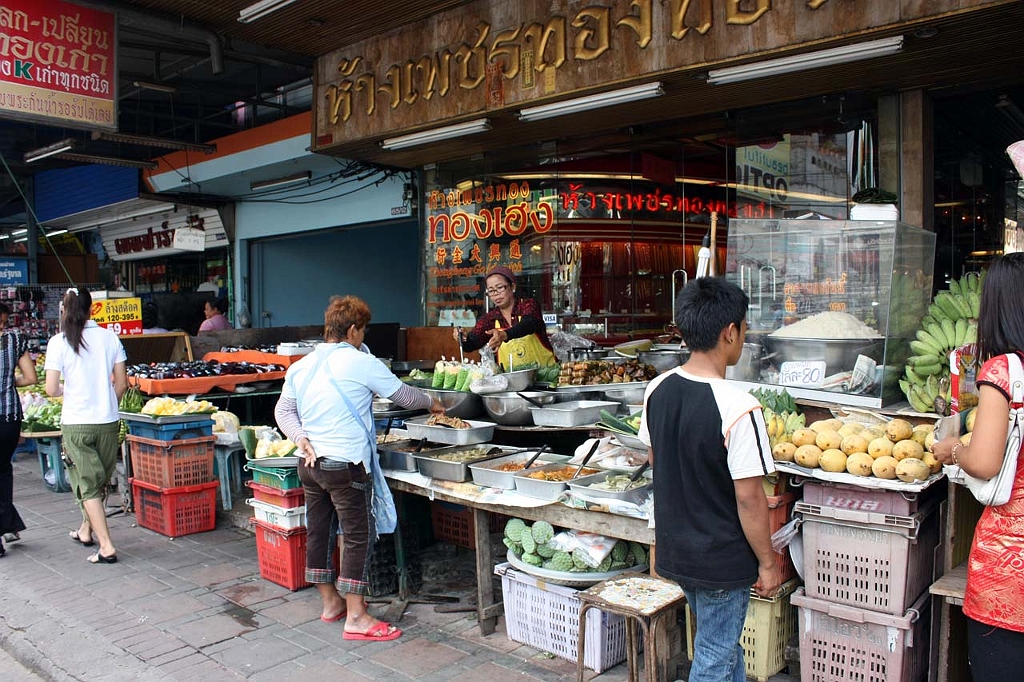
(594, 548)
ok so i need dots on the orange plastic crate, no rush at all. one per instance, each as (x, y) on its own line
(780, 509)
(454, 523)
(175, 511)
(172, 463)
(282, 555)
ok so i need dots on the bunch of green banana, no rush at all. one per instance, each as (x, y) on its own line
(782, 425)
(950, 322)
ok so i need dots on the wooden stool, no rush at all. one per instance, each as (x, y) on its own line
(639, 598)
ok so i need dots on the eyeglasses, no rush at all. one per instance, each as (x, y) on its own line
(494, 291)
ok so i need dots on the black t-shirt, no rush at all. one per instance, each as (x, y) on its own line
(705, 433)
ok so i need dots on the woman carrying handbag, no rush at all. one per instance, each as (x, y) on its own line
(994, 598)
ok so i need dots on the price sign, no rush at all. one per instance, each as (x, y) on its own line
(802, 373)
(119, 315)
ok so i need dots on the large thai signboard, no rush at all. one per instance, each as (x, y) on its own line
(490, 55)
(58, 63)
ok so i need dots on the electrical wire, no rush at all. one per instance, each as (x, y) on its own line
(28, 207)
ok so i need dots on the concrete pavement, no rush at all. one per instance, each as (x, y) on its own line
(195, 608)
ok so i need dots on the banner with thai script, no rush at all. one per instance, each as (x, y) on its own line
(119, 315)
(58, 63)
(13, 271)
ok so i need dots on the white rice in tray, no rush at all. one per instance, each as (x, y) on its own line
(828, 325)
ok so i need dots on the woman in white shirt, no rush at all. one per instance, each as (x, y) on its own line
(92, 361)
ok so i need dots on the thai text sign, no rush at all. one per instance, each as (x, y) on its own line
(14, 271)
(490, 55)
(119, 315)
(58, 63)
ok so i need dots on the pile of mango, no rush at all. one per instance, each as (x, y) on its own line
(896, 449)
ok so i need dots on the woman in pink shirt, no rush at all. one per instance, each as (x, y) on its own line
(215, 320)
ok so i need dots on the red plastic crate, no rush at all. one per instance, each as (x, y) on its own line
(454, 523)
(282, 555)
(780, 509)
(172, 463)
(175, 511)
(286, 499)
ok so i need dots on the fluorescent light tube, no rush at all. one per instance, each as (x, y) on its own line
(437, 134)
(55, 233)
(261, 9)
(280, 182)
(602, 99)
(18, 233)
(155, 87)
(64, 145)
(809, 60)
(109, 160)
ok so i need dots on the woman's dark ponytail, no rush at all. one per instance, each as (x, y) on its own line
(77, 306)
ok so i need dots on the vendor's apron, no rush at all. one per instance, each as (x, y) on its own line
(526, 351)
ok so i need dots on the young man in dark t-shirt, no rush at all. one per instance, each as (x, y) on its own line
(709, 450)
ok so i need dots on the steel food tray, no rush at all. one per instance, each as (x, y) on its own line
(392, 456)
(167, 418)
(629, 441)
(450, 471)
(634, 495)
(600, 387)
(478, 432)
(545, 490)
(487, 474)
(572, 413)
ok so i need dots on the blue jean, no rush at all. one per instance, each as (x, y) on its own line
(717, 654)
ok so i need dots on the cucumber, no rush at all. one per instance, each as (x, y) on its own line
(617, 424)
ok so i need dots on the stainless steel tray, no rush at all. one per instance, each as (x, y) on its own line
(478, 432)
(545, 490)
(393, 457)
(450, 471)
(572, 413)
(634, 495)
(166, 419)
(486, 473)
(461, 404)
(600, 387)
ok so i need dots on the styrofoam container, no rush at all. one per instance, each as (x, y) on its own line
(572, 413)
(294, 517)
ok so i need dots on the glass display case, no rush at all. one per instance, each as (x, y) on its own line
(833, 304)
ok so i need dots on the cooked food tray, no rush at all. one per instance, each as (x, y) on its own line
(572, 413)
(478, 432)
(452, 464)
(635, 495)
(398, 454)
(489, 473)
(545, 490)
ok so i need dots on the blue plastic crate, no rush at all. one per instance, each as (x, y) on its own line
(180, 431)
(55, 476)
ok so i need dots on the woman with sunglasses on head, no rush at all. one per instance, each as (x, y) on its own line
(91, 359)
(514, 328)
(13, 353)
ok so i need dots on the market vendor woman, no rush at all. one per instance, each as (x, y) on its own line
(514, 328)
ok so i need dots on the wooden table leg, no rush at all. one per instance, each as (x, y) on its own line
(487, 609)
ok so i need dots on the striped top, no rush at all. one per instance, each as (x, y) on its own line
(12, 346)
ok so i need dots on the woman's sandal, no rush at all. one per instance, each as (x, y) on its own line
(74, 536)
(336, 618)
(378, 633)
(98, 558)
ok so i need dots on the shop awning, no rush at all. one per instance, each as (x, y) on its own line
(152, 235)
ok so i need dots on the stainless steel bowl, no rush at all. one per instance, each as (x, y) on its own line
(633, 395)
(578, 354)
(520, 380)
(840, 355)
(663, 360)
(461, 404)
(510, 409)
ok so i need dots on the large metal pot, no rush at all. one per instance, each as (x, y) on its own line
(749, 366)
(663, 360)
(461, 404)
(839, 355)
(580, 354)
(511, 409)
